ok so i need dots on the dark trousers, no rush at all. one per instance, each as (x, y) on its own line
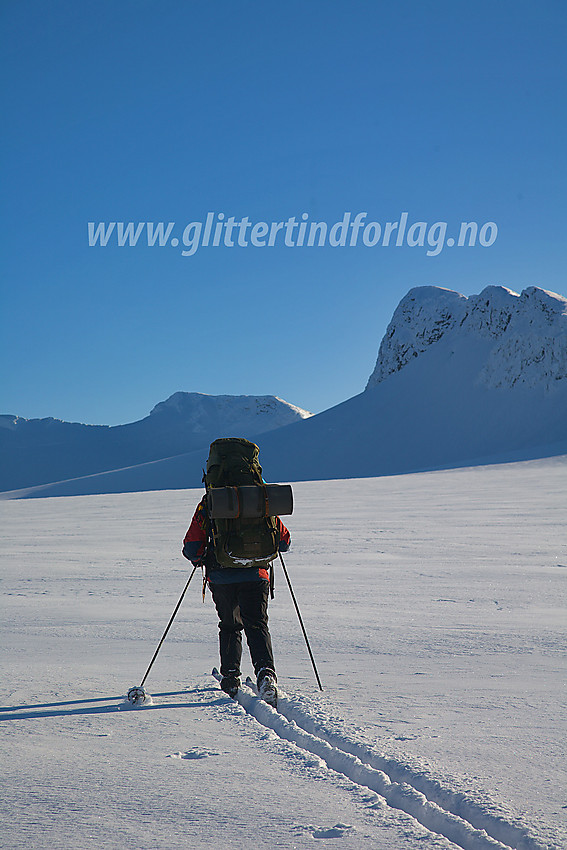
(243, 605)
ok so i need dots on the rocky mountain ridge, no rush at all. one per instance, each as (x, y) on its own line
(529, 331)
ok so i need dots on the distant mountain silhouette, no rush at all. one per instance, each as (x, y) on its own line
(39, 451)
(458, 381)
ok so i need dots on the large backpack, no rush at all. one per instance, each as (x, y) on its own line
(240, 542)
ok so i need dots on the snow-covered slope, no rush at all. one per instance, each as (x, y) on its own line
(38, 451)
(201, 414)
(435, 610)
(458, 381)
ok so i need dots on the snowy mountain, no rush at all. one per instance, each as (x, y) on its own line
(529, 332)
(38, 451)
(458, 382)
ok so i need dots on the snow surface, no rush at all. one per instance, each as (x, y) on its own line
(435, 606)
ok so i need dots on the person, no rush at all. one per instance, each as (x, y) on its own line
(240, 595)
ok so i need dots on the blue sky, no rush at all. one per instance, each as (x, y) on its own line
(166, 111)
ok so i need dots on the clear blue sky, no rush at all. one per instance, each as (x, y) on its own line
(166, 111)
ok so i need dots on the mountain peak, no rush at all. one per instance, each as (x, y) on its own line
(45, 450)
(247, 412)
(528, 332)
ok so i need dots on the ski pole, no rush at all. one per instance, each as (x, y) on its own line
(137, 695)
(301, 623)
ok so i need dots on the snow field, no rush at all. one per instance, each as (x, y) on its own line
(435, 606)
(445, 813)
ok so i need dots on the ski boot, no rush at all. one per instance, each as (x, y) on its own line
(267, 688)
(230, 684)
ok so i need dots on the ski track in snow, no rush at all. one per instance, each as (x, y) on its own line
(473, 684)
(444, 812)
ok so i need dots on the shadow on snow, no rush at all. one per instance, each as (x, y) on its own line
(38, 710)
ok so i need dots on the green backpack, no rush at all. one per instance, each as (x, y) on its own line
(233, 462)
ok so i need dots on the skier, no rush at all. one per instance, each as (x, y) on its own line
(240, 595)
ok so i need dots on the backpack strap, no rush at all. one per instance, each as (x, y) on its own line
(266, 500)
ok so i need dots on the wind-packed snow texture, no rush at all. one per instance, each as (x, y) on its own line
(435, 608)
